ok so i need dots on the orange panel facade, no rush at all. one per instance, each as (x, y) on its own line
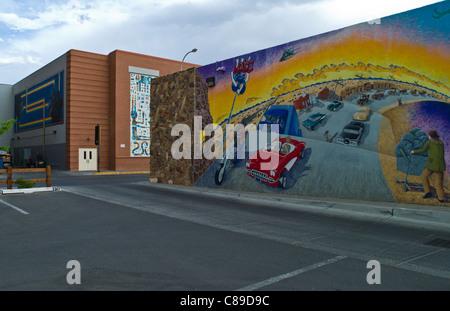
(87, 105)
(99, 92)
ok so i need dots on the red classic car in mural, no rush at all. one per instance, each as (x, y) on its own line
(270, 164)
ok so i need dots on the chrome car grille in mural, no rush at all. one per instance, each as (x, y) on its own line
(258, 174)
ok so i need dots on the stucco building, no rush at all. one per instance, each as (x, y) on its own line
(58, 108)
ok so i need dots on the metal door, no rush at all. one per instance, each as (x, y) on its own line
(87, 159)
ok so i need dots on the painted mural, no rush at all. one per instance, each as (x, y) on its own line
(41, 105)
(140, 115)
(350, 106)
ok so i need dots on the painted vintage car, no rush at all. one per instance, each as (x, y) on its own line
(336, 105)
(313, 121)
(351, 134)
(378, 94)
(270, 164)
(362, 114)
(392, 92)
(364, 98)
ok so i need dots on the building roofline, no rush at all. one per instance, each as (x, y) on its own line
(155, 57)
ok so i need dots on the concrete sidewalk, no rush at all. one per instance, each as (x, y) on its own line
(426, 215)
(419, 214)
(95, 173)
(61, 173)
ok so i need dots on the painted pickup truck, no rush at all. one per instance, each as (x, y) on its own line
(285, 116)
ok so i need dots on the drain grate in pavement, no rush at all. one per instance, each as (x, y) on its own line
(439, 243)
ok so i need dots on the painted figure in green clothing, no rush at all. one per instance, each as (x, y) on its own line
(435, 165)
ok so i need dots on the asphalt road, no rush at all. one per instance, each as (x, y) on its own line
(128, 234)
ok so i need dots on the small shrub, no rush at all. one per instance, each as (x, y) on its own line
(23, 183)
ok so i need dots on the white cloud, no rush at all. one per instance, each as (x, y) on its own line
(12, 60)
(15, 22)
(70, 13)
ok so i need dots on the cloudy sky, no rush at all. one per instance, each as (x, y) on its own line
(33, 33)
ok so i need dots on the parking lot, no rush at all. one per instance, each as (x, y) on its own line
(130, 235)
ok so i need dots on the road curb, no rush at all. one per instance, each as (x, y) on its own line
(28, 190)
(120, 173)
(425, 215)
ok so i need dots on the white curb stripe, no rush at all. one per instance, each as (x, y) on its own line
(291, 274)
(15, 207)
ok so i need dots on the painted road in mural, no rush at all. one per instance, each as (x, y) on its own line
(357, 168)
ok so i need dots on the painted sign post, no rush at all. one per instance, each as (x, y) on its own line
(239, 78)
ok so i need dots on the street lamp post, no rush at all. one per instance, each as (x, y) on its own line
(193, 51)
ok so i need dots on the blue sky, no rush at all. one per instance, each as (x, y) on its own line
(33, 33)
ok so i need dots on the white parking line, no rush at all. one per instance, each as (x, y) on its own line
(291, 274)
(14, 207)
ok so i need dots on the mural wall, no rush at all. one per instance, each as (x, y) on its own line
(140, 115)
(350, 105)
(41, 105)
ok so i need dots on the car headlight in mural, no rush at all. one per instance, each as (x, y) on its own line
(289, 152)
